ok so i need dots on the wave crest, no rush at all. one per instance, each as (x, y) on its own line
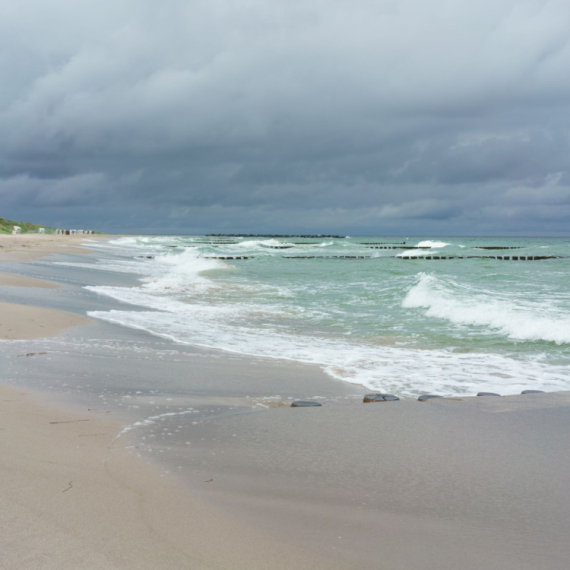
(467, 306)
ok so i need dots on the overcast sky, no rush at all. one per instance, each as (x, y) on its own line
(361, 117)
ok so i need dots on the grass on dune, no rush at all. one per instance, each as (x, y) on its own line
(6, 227)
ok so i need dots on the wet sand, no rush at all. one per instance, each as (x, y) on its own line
(466, 483)
(12, 280)
(73, 499)
(470, 483)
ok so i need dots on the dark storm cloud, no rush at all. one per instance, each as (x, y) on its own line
(448, 117)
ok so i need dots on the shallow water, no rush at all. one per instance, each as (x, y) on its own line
(386, 321)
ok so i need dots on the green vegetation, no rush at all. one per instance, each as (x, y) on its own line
(6, 227)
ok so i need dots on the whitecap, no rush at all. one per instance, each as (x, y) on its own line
(467, 306)
(429, 243)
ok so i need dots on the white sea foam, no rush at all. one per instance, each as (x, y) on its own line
(429, 243)
(177, 273)
(414, 252)
(406, 371)
(482, 308)
(122, 266)
(257, 243)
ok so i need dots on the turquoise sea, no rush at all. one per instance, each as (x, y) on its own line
(378, 311)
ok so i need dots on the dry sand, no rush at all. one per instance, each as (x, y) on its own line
(23, 321)
(19, 322)
(29, 246)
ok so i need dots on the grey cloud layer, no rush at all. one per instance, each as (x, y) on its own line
(217, 114)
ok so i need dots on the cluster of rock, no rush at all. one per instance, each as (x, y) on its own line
(378, 397)
(424, 397)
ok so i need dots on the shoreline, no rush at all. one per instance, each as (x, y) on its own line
(122, 493)
(197, 479)
(75, 497)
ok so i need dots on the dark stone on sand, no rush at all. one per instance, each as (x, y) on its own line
(487, 394)
(379, 398)
(304, 404)
(532, 392)
(426, 397)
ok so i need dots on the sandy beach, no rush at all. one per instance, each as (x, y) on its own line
(470, 483)
(30, 246)
(74, 498)
(25, 322)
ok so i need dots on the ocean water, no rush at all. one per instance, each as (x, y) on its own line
(393, 320)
